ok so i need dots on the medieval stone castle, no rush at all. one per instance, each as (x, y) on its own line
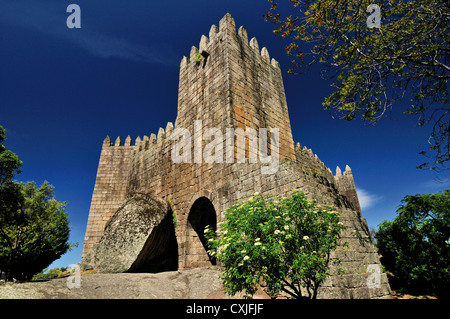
(227, 82)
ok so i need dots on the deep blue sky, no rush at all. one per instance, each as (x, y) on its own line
(62, 91)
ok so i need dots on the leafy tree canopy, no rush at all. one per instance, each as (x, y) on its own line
(415, 246)
(9, 162)
(372, 68)
(34, 232)
(34, 229)
(10, 195)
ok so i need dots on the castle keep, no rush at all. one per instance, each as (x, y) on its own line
(227, 82)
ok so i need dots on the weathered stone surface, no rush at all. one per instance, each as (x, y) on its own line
(199, 283)
(140, 236)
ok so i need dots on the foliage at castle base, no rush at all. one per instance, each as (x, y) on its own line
(34, 229)
(284, 241)
(35, 235)
(406, 57)
(415, 246)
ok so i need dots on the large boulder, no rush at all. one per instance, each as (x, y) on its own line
(139, 237)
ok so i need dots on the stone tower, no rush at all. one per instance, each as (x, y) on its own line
(229, 90)
(234, 85)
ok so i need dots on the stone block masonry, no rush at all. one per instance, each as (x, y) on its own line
(228, 82)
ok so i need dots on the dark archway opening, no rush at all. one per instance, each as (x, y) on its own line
(203, 214)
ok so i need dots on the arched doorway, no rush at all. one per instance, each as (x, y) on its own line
(202, 214)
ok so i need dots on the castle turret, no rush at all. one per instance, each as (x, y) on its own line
(229, 83)
(346, 186)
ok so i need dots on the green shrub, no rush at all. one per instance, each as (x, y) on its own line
(284, 241)
(33, 233)
(47, 274)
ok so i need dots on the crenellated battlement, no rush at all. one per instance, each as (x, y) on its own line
(145, 143)
(306, 157)
(346, 186)
(227, 27)
(347, 172)
(343, 180)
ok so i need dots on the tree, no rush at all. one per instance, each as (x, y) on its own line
(9, 162)
(10, 193)
(372, 68)
(284, 241)
(415, 246)
(34, 229)
(34, 232)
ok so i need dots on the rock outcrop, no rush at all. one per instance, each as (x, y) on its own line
(139, 237)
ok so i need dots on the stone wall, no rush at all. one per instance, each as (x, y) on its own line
(110, 188)
(346, 186)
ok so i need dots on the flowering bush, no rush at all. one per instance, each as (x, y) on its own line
(284, 241)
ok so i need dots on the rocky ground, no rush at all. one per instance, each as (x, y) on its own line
(200, 283)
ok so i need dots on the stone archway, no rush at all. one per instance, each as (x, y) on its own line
(201, 214)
